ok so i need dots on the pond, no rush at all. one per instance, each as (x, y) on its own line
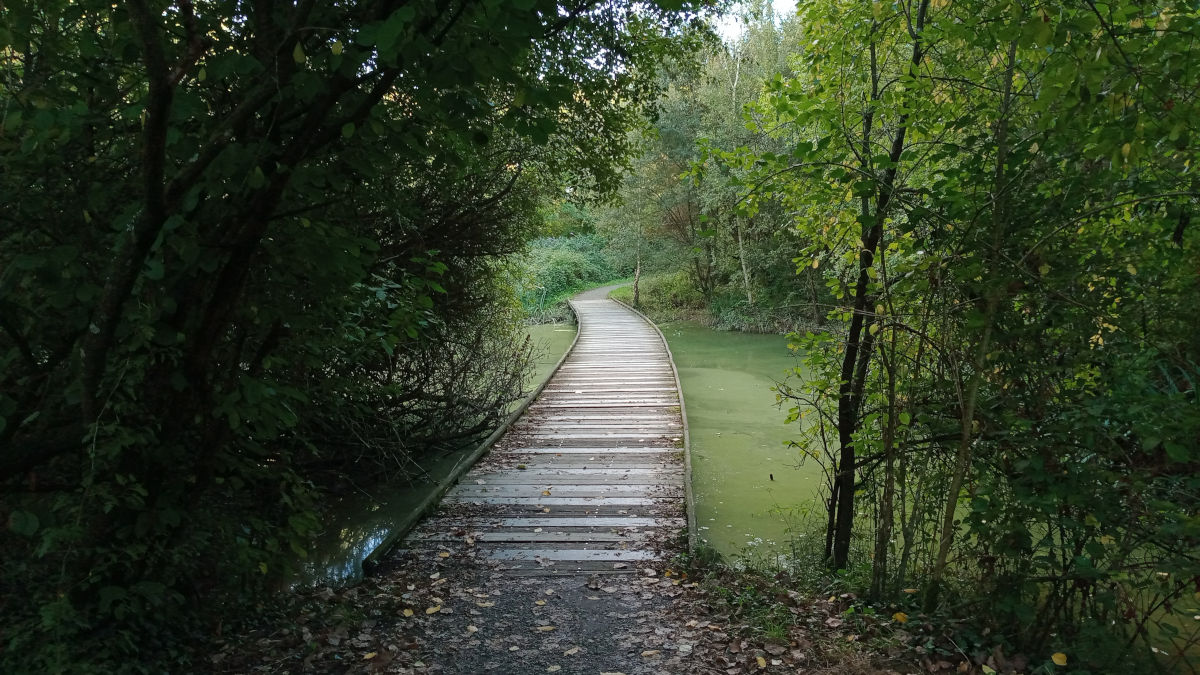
(358, 523)
(751, 491)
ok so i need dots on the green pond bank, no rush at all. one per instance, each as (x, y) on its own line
(751, 490)
(359, 522)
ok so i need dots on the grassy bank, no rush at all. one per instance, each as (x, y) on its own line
(673, 297)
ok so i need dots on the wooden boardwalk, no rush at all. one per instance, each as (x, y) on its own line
(591, 478)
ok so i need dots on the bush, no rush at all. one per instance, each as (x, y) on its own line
(555, 268)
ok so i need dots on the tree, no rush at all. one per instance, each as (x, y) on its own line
(999, 195)
(241, 231)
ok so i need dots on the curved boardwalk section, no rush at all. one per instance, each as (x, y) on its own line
(591, 478)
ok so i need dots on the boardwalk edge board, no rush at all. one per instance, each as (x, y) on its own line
(431, 501)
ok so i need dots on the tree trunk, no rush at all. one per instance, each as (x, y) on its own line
(745, 266)
(859, 341)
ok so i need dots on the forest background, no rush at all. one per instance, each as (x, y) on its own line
(252, 252)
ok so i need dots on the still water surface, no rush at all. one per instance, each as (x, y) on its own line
(739, 440)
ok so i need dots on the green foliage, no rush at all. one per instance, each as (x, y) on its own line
(999, 198)
(680, 214)
(666, 297)
(555, 268)
(249, 249)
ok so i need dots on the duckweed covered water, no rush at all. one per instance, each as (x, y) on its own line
(739, 440)
(361, 521)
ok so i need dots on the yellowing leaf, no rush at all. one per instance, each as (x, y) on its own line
(336, 47)
(873, 329)
(1131, 269)
(900, 617)
(762, 663)
(408, 612)
(539, 603)
(298, 54)
(816, 263)
(433, 610)
(988, 670)
(370, 655)
(1059, 658)
(1125, 150)
(910, 590)
(545, 493)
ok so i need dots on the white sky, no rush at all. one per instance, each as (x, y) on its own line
(729, 27)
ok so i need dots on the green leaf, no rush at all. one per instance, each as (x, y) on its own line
(23, 523)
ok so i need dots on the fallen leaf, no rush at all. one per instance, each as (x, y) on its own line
(539, 603)
(485, 604)
(900, 617)
(1059, 658)
(571, 652)
(651, 652)
(553, 669)
(545, 493)
(545, 629)
(433, 610)
(762, 663)
(444, 554)
(408, 612)
(370, 655)
(472, 629)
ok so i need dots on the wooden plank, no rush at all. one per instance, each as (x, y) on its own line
(553, 501)
(572, 554)
(558, 522)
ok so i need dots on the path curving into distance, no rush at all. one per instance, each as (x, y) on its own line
(591, 478)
